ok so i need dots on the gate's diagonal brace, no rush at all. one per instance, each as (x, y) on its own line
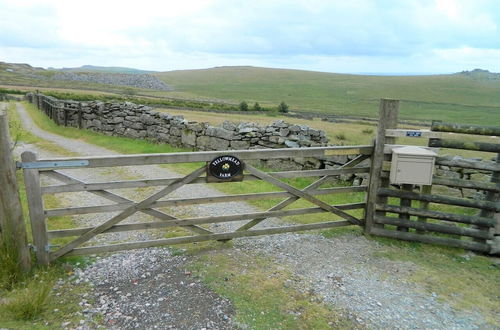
(119, 199)
(292, 199)
(301, 194)
(128, 212)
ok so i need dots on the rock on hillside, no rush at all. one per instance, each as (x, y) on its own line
(133, 80)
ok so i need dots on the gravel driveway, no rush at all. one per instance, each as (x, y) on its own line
(149, 288)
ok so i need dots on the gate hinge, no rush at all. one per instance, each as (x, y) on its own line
(46, 248)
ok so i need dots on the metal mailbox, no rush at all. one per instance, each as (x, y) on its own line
(412, 165)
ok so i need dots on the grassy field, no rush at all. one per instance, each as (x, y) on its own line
(462, 98)
(440, 97)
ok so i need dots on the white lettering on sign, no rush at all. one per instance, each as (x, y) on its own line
(413, 133)
(226, 158)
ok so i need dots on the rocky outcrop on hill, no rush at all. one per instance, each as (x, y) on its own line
(122, 79)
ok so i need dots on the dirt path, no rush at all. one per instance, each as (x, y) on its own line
(149, 288)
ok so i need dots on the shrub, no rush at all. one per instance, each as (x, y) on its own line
(30, 301)
(340, 136)
(243, 106)
(257, 107)
(283, 107)
(367, 131)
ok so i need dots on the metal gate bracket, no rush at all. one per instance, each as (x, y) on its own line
(56, 164)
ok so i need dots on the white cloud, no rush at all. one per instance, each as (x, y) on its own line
(356, 35)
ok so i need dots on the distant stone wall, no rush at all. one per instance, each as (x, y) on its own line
(139, 121)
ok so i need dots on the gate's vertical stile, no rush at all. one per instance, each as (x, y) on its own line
(491, 196)
(388, 119)
(35, 204)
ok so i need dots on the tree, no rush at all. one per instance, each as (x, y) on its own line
(243, 106)
(283, 107)
(257, 107)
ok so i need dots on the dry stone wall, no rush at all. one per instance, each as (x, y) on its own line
(142, 122)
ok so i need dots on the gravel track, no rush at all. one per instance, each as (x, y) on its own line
(149, 288)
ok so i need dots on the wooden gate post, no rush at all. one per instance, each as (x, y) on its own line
(35, 204)
(388, 119)
(12, 228)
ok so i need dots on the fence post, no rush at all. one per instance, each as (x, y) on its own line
(12, 226)
(388, 119)
(35, 204)
(493, 197)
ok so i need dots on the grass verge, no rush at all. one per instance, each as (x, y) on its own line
(467, 281)
(263, 293)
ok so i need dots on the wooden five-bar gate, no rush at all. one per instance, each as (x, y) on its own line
(422, 213)
(155, 204)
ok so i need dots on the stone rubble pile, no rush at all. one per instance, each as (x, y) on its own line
(123, 79)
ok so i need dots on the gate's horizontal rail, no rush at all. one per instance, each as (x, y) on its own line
(163, 182)
(197, 221)
(454, 144)
(424, 226)
(202, 238)
(459, 183)
(475, 246)
(198, 200)
(473, 220)
(466, 163)
(465, 128)
(479, 204)
(205, 156)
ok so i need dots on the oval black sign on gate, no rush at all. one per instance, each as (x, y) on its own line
(225, 167)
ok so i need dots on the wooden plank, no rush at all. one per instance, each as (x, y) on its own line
(12, 228)
(457, 144)
(204, 156)
(388, 119)
(459, 183)
(405, 202)
(445, 229)
(425, 190)
(195, 201)
(440, 199)
(437, 215)
(193, 221)
(121, 200)
(35, 204)
(127, 212)
(417, 133)
(470, 245)
(84, 186)
(202, 238)
(467, 163)
(302, 194)
(492, 196)
(465, 128)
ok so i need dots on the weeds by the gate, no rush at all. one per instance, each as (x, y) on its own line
(26, 299)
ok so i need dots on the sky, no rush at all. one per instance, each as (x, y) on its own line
(344, 36)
